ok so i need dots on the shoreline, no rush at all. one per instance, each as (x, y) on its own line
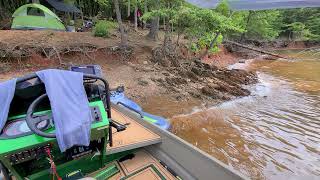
(191, 82)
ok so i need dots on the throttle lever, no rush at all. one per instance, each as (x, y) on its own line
(118, 126)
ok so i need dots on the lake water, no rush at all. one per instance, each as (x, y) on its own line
(272, 134)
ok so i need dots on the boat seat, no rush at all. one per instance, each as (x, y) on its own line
(135, 136)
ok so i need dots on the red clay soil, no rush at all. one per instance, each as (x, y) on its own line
(221, 59)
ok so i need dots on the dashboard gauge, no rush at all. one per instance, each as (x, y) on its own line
(13, 128)
(19, 127)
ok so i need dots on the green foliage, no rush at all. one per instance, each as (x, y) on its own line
(299, 31)
(294, 24)
(200, 25)
(223, 8)
(314, 26)
(265, 24)
(204, 43)
(261, 25)
(301, 24)
(164, 9)
(184, 19)
(215, 47)
(207, 23)
(103, 27)
(104, 3)
(105, 8)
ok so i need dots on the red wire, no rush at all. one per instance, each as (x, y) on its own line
(53, 166)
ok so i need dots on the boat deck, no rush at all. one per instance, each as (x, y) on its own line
(141, 165)
(133, 137)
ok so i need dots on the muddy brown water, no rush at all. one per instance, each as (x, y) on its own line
(272, 134)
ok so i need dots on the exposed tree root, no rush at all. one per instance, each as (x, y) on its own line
(199, 79)
(51, 52)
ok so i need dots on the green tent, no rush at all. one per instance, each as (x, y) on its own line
(36, 17)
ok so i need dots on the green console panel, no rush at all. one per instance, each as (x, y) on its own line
(24, 156)
(25, 142)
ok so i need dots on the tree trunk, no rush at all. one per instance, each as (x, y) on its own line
(247, 24)
(89, 9)
(211, 45)
(145, 11)
(172, 27)
(257, 50)
(153, 33)
(164, 24)
(124, 38)
(136, 18)
(129, 8)
(290, 36)
(177, 43)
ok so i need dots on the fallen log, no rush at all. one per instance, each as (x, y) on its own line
(256, 49)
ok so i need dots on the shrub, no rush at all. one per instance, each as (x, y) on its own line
(101, 29)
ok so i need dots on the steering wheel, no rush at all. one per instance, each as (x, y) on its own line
(33, 121)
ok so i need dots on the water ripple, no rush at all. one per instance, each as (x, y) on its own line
(275, 130)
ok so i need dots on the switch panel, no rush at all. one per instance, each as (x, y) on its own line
(96, 114)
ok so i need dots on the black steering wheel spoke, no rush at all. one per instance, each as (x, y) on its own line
(33, 121)
(38, 120)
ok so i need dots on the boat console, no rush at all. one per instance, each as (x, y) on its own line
(27, 141)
